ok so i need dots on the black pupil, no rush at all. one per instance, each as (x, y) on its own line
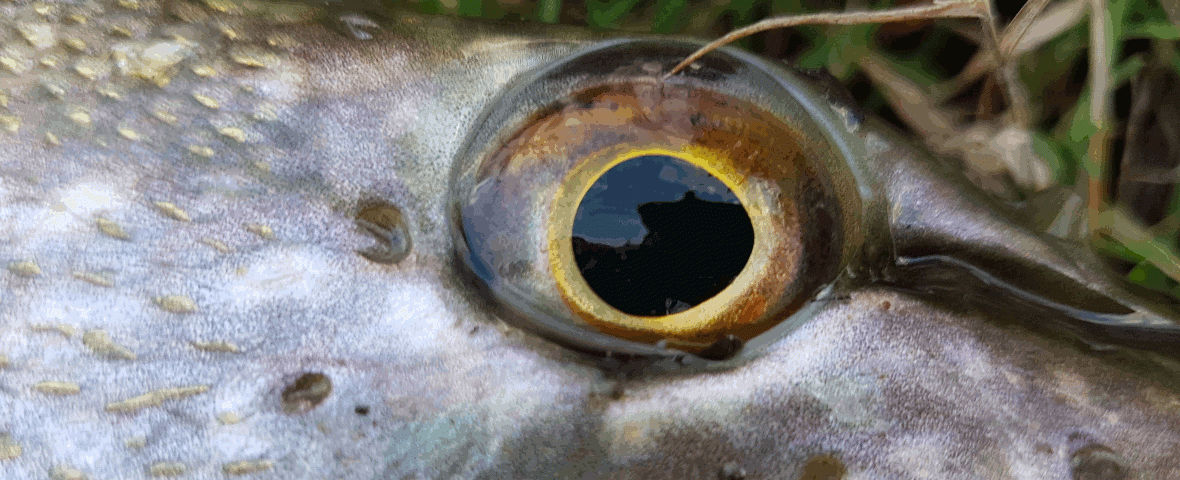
(656, 235)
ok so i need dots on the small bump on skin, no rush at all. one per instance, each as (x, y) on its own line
(51, 139)
(201, 151)
(261, 230)
(62, 472)
(9, 449)
(99, 342)
(207, 101)
(228, 418)
(3, 360)
(57, 388)
(171, 210)
(306, 393)
(176, 303)
(218, 245)
(25, 268)
(167, 469)
(64, 329)
(111, 229)
(233, 132)
(135, 443)
(245, 467)
(217, 346)
(94, 279)
(130, 4)
(155, 398)
(129, 134)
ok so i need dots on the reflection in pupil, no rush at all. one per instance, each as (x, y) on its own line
(656, 235)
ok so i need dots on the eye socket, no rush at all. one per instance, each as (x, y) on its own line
(615, 211)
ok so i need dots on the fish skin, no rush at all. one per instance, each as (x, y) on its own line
(267, 129)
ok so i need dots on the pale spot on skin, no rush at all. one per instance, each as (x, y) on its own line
(10, 123)
(62, 472)
(207, 101)
(99, 342)
(84, 200)
(201, 151)
(250, 57)
(243, 467)
(263, 231)
(233, 132)
(217, 346)
(176, 303)
(166, 117)
(216, 244)
(224, 6)
(228, 418)
(155, 398)
(80, 117)
(91, 68)
(9, 449)
(62, 328)
(129, 134)
(40, 35)
(3, 360)
(151, 61)
(110, 91)
(26, 268)
(76, 43)
(111, 229)
(203, 70)
(167, 469)
(94, 279)
(57, 388)
(51, 138)
(135, 443)
(173, 211)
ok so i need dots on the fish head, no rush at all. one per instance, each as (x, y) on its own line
(241, 240)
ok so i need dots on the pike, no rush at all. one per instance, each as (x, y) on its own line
(233, 248)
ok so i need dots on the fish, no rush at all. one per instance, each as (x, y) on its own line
(234, 247)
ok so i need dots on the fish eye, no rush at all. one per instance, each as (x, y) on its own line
(617, 211)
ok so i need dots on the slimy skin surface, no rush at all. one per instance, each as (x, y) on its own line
(181, 293)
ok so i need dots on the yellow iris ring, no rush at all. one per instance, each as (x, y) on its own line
(692, 329)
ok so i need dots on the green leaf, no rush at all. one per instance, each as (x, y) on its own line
(669, 16)
(471, 8)
(549, 11)
(608, 14)
(1056, 156)
(1158, 30)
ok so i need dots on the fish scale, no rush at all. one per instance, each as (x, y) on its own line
(178, 186)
